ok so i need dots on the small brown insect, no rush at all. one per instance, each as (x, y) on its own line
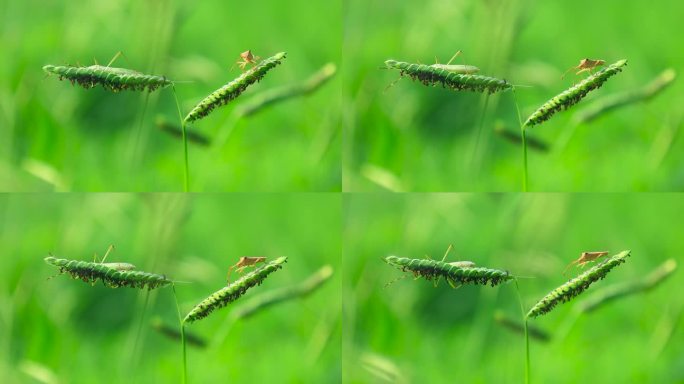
(244, 262)
(585, 258)
(247, 58)
(586, 65)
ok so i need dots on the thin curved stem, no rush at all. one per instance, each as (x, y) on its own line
(527, 337)
(474, 158)
(182, 332)
(186, 178)
(524, 142)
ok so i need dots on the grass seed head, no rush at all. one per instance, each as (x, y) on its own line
(234, 88)
(233, 291)
(577, 285)
(574, 94)
(111, 277)
(432, 76)
(434, 269)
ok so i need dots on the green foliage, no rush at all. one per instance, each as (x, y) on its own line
(433, 76)
(574, 94)
(621, 99)
(111, 275)
(577, 285)
(279, 94)
(233, 291)
(276, 296)
(234, 88)
(620, 290)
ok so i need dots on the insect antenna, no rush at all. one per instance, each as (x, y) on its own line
(568, 267)
(453, 57)
(566, 72)
(109, 249)
(116, 56)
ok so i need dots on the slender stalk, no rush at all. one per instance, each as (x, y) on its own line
(524, 142)
(527, 337)
(474, 160)
(186, 174)
(182, 332)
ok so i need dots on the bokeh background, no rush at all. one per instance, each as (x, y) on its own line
(412, 332)
(55, 136)
(65, 331)
(411, 137)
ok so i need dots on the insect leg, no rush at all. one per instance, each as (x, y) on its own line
(391, 84)
(395, 280)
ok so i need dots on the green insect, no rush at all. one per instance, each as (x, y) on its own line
(456, 68)
(112, 275)
(110, 78)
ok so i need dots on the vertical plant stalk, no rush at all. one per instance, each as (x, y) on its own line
(186, 174)
(182, 332)
(527, 336)
(474, 162)
(136, 351)
(524, 142)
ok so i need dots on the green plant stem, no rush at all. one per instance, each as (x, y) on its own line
(182, 332)
(527, 337)
(474, 161)
(524, 142)
(186, 178)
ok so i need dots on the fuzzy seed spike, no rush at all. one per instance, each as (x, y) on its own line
(233, 291)
(434, 269)
(577, 285)
(432, 76)
(574, 94)
(234, 89)
(110, 276)
(110, 78)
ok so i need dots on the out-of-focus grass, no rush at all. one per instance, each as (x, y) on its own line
(424, 137)
(99, 141)
(442, 335)
(86, 333)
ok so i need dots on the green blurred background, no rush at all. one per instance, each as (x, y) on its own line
(57, 136)
(413, 332)
(412, 137)
(85, 334)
